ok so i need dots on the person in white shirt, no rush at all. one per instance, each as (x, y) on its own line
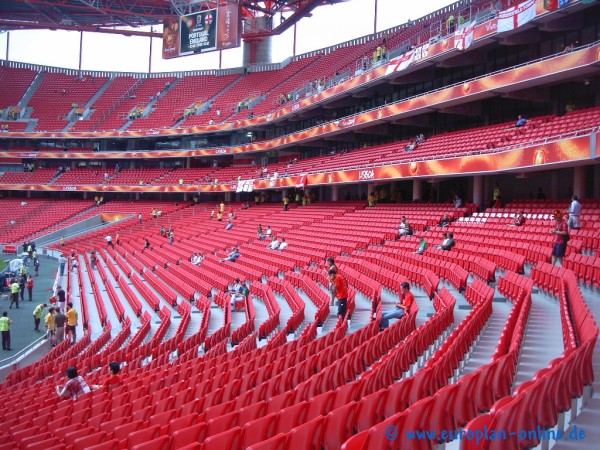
(405, 228)
(574, 214)
(274, 245)
(282, 245)
(74, 263)
(197, 259)
(236, 291)
(268, 233)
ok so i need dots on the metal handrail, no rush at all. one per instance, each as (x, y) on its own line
(13, 359)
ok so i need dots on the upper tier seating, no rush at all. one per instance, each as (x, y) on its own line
(110, 111)
(39, 176)
(251, 86)
(140, 96)
(81, 176)
(189, 176)
(13, 85)
(53, 99)
(134, 176)
(188, 91)
(104, 106)
(14, 126)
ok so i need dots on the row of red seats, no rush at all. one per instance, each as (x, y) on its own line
(585, 267)
(293, 299)
(543, 400)
(314, 293)
(247, 328)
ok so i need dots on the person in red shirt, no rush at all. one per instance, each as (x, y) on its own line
(340, 290)
(114, 381)
(405, 303)
(561, 233)
(29, 285)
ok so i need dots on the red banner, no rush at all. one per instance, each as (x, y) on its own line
(228, 31)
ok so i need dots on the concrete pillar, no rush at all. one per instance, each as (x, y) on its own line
(335, 190)
(371, 187)
(417, 189)
(478, 197)
(227, 196)
(554, 185)
(579, 181)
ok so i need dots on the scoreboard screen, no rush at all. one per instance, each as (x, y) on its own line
(203, 31)
(198, 32)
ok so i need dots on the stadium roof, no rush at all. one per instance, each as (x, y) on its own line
(123, 16)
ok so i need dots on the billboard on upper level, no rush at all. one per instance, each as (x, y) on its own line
(200, 32)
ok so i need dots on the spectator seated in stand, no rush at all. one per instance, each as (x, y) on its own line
(458, 202)
(405, 229)
(283, 245)
(75, 387)
(229, 225)
(444, 222)
(519, 219)
(233, 256)
(422, 246)
(448, 242)
(521, 121)
(197, 259)
(237, 292)
(274, 245)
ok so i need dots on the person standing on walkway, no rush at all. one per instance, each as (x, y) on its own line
(60, 320)
(38, 312)
(72, 317)
(561, 232)
(62, 262)
(29, 285)
(36, 265)
(5, 323)
(574, 214)
(22, 284)
(51, 326)
(62, 298)
(340, 291)
(14, 291)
